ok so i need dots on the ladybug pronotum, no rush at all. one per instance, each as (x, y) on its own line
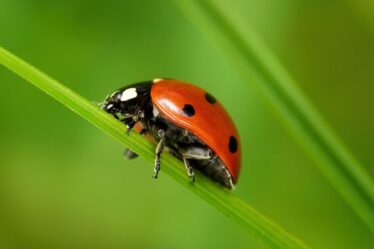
(186, 120)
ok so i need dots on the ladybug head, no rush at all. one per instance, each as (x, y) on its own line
(129, 103)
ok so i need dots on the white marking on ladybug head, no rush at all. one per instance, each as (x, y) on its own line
(129, 94)
(157, 80)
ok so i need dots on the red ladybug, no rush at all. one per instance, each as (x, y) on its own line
(186, 120)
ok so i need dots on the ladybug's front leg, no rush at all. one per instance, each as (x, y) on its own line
(159, 149)
(131, 121)
(129, 154)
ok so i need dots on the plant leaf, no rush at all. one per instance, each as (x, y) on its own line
(223, 200)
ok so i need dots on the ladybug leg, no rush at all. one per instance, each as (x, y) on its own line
(159, 149)
(129, 124)
(131, 121)
(129, 154)
(189, 168)
(196, 152)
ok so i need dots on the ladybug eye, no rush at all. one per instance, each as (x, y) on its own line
(113, 96)
(117, 97)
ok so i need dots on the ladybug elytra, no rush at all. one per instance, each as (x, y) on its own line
(186, 120)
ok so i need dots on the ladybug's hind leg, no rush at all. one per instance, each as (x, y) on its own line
(159, 149)
(129, 154)
(195, 153)
(189, 168)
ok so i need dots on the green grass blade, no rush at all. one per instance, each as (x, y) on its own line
(226, 202)
(259, 66)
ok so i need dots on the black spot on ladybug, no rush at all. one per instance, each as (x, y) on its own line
(210, 98)
(233, 144)
(188, 110)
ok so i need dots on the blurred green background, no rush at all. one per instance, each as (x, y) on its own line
(64, 184)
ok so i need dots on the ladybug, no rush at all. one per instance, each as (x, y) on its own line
(184, 119)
